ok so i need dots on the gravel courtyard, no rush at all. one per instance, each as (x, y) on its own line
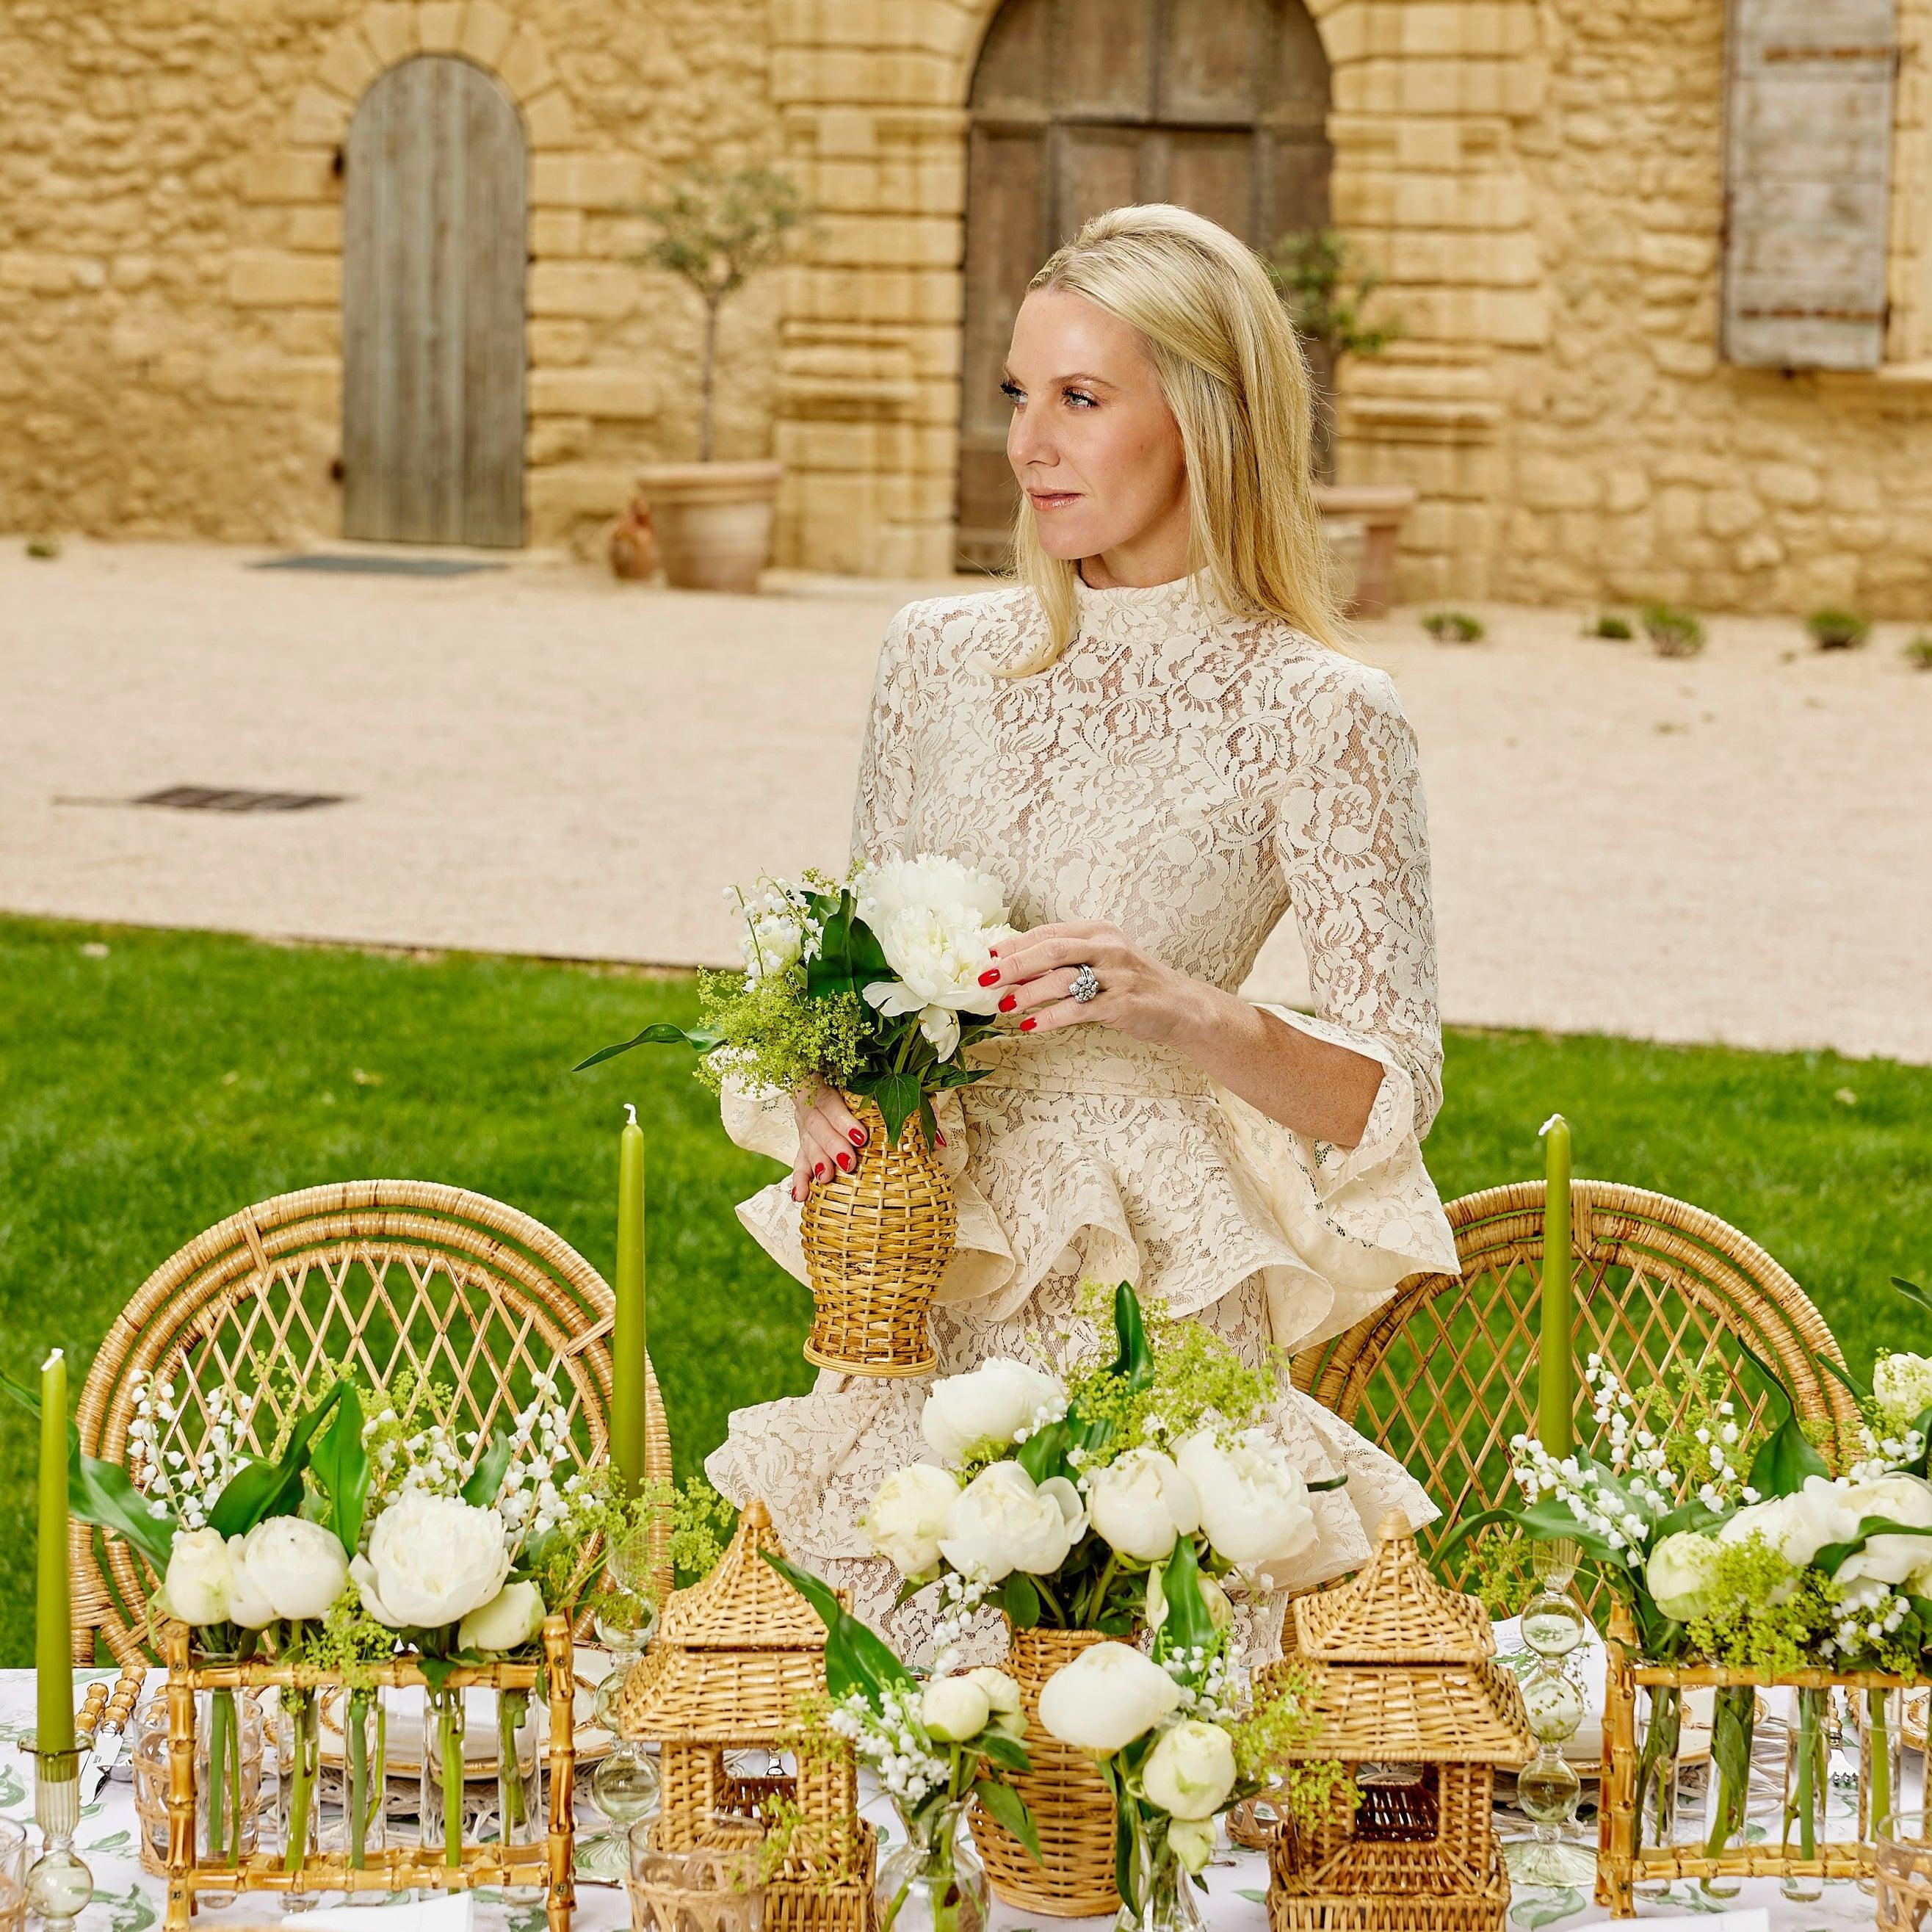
(539, 759)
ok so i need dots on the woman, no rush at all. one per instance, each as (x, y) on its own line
(1154, 743)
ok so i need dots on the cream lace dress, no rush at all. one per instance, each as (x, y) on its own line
(1191, 778)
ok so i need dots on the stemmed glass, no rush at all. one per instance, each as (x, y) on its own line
(1547, 1787)
(624, 1786)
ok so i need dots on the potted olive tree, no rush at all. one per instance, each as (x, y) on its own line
(1326, 287)
(712, 521)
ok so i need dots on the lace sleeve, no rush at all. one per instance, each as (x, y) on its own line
(1352, 840)
(759, 1119)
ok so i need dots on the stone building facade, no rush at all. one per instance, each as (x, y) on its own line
(1543, 181)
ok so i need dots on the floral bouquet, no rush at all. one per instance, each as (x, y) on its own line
(1054, 1498)
(930, 1744)
(1163, 1731)
(871, 984)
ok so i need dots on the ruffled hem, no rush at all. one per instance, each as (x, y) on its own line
(1076, 1155)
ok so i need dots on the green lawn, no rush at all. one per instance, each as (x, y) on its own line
(148, 1093)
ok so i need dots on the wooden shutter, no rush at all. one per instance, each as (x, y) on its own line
(1808, 148)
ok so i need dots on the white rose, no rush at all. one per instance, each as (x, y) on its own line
(1254, 1502)
(1190, 1771)
(1902, 1386)
(432, 1560)
(1002, 1521)
(1192, 1841)
(511, 1617)
(992, 1403)
(905, 1516)
(1106, 1697)
(954, 1709)
(1890, 1559)
(1141, 1503)
(1798, 1526)
(1679, 1574)
(285, 1567)
(200, 1582)
(1003, 1694)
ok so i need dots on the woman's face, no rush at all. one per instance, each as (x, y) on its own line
(1094, 443)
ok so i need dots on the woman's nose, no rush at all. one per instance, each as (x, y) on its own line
(1027, 443)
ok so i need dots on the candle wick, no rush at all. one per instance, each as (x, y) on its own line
(632, 1111)
(56, 1357)
(1553, 1121)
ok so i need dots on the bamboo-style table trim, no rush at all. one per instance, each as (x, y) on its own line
(548, 1866)
(1621, 1863)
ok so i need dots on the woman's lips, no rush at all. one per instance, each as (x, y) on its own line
(1053, 500)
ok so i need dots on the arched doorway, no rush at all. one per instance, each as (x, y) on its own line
(433, 255)
(1081, 105)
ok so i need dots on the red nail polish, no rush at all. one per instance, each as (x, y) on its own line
(844, 1160)
(939, 1137)
(1027, 1024)
(987, 978)
(819, 1170)
(1006, 1002)
(858, 1137)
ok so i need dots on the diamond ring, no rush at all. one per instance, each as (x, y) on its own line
(1085, 985)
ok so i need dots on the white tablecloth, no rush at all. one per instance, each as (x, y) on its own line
(128, 1900)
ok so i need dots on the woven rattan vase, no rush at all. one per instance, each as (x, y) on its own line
(1072, 1809)
(876, 1241)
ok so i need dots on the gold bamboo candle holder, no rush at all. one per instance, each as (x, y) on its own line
(545, 1865)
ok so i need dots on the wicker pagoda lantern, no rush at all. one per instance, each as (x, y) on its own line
(1413, 1704)
(735, 1654)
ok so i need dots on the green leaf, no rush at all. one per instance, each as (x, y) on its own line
(260, 1488)
(1833, 1554)
(1839, 1373)
(1022, 1600)
(1135, 1362)
(1332, 1482)
(1912, 1292)
(486, 1479)
(1783, 1461)
(1006, 1807)
(1772, 1379)
(1545, 1908)
(1009, 1754)
(341, 1467)
(1252, 1894)
(898, 1095)
(1187, 1623)
(856, 1658)
(704, 1038)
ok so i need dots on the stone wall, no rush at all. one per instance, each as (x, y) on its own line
(1541, 179)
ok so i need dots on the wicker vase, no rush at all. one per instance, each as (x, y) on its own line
(1072, 1809)
(877, 1239)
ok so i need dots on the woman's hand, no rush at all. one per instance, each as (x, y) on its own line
(1138, 994)
(830, 1136)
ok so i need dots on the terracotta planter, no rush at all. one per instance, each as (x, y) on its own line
(712, 521)
(1379, 508)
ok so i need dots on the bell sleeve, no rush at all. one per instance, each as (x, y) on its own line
(1351, 837)
(763, 1121)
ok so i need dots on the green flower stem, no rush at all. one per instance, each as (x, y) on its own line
(511, 1707)
(306, 1744)
(1097, 1602)
(220, 1747)
(450, 1736)
(1730, 1753)
(1878, 1752)
(358, 1779)
(1659, 1756)
(1802, 1803)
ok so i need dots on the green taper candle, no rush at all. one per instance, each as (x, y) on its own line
(53, 1627)
(627, 1341)
(1556, 1363)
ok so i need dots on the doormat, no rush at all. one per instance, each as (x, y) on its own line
(378, 566)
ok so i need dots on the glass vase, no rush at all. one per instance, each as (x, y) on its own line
(1157, 1897)
(1727, 1797)
(361, 1832)
(1881, 1717)
(1659, 1740)
(298, 1749)
(935, 1882)
(227, 1825)
(518, 1795)
(1807, 1790)
(445, 1730)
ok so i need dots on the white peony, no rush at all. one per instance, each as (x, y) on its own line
(1902, 1386)
(954, 1709)
(1679, 1574)
(1106, 1697)
(1890, 1559)
(904, 1521)
(200, 1582)
(1003, 1693)
(1797, 1526)
(1141, 1503)
(1254, 1502)
(284, 1567)
(1192, 1841)
(1190, 1771)
(432, 1560)
(1002, 1521)
(511, 1617)
(992, 1403)
(934, 919)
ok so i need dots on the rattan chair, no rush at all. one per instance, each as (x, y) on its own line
(1443, 1373)
(475, 1297)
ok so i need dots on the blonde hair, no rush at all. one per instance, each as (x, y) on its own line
(1231, 368)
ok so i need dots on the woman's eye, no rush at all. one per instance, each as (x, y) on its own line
(1011, 391)
(1080, 396)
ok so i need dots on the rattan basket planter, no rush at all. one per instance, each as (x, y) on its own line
(1072, 1809)
(876, 1241)
(1621, 1862)
(544, 1864)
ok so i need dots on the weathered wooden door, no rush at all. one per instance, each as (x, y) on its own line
(1079, 106)
(433, 254)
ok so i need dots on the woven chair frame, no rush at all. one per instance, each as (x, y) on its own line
(380, 1274)
(1443, 1374)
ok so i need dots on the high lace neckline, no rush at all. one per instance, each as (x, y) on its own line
(1140, 608)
